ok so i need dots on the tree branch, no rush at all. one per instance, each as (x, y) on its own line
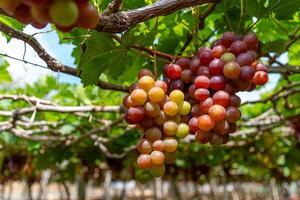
(51, 62)
(121, 21)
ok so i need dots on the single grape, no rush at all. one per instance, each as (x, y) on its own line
(146, 83)
(64, 13)
(203, 137)
(216, 67)
(144, 146)
(205, 123)
(156, 94)
(217, 113)
(234, 100)
(173, 71)
(227, 39)
(138, 97)
(182, 130)
(193, 125)
(222, 127)
(157, 170)
(238, 47)
(144, 161)
(203, 70)
(171, 144)
(170, 128)
(158, 145)
(205, 105)
(157, 157)
(160, 119)
(260, 78)
(228, 57)
(184, 63)
(88, 16)
(152, 109)
(177, 96)
(187, 76)
(231, 70)
(245, 59)
(247, 73)
(135, 115)
(170, 108)
(177, 85)
(185, 108)
(251, 41)
(233, 114)
(218, 51)
(164, 101)
(221, 98)
(201, 82)
(217, 82)
(153, 134)
(22, 14)
(163, 85)
(201, 94)
(205, 57)
(145, 72)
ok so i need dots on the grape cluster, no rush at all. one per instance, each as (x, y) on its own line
(162, 117)
(64, 14)
(196, 96)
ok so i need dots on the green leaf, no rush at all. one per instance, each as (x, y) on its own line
(4, 74)
(102, 54)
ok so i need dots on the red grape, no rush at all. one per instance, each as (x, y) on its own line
(201, 82)
(247, 73)
(196, 111)
(216, 67)
(173, 71)
(233, 114)
(238, 47)
(205, 57)
(222, 127)
(260, 78)
(191, 90)
(221, 98)
(227, 39)
(135, 114)
(144, 146)
(195, 64)
(218, 51)
(261, 67)
(235, 100)
(145, 72)
(184, 63)
(203, 136)
(217, 82)
(163, 85)
(153, 134)
(201, 94)
(144, 161)
(177, 85)
(187, 76)
(158, 145)
(193, 125)
(203, 70)
(251, 41)
(206, 104)
(217, 113)
(245, 59)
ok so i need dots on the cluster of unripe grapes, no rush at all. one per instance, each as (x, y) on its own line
(65, 14)
(196, 96)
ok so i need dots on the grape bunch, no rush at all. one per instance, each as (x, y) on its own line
(162, 117)
(196, 96)
(64, 14)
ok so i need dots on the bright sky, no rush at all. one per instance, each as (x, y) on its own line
(22, 73)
